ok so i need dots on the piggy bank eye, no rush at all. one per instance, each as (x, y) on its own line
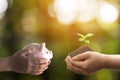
(46, 52)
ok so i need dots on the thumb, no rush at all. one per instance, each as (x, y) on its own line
(81, 57)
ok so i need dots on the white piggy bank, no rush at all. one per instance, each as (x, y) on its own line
(38, 51)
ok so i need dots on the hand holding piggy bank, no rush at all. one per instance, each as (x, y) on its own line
(32, 59)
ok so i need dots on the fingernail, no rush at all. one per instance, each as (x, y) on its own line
(68, 57)
(73, 58)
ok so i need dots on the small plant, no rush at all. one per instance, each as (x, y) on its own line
(83, 38)
(84, 48)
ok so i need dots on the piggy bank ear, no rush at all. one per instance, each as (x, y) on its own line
(43, 45)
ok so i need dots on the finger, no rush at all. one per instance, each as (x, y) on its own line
(40, 72)
(31, 72)
(27, 52)
(42, 67)
(78, 64)
(34, 69)
(81, 57)
(72, 67)
(75, 69)
(68, 62)
(21, 53)
(39, 67)
(45, 68)
(38, 61)
(66, 59)
(42, 60)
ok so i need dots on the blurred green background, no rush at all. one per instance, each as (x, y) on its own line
(56, 22)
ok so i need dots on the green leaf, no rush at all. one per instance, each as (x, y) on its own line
(80, 35)
(81, 39)
(89, 35)
(87, 41)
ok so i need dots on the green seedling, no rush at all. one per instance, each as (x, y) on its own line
(83, 38)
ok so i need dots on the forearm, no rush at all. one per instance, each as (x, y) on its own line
(113, 62)
(5, 64)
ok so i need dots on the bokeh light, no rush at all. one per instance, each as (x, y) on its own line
(65, 10)
(108, 13)
(3, 7)
(83, 11)
(86, 10)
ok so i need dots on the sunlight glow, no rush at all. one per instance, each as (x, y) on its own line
(83, 11)
(65, 10)
(86, 10)
(108, 13)
(3, 7)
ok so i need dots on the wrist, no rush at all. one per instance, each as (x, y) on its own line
(5, 64)
(113, 62)
(106, 61)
